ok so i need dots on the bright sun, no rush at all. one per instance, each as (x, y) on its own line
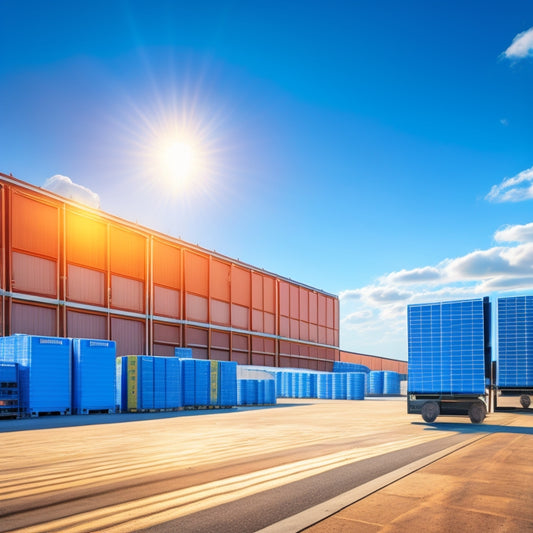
(178, 161)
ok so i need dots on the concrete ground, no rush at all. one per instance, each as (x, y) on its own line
(484, 486)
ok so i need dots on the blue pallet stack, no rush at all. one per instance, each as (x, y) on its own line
(45, 367)
(270, 391)
(93, 376)
(160, 385)
(313, 385)
(183, 353)
(375, 382)
(227, 383)
(342, 366)
(9, 390)
(391, 382)
(173, 392)
(188, 381)
(202, 385)
(147, 384)
(355, 385)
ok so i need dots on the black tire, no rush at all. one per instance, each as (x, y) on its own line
(430, 412)
(477, 412)
(525, 401)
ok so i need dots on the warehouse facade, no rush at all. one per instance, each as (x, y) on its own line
(72, 271)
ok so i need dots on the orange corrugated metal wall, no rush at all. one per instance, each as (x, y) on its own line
(71, 271)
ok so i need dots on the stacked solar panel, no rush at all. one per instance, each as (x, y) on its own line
(447, 347)
(515, 342)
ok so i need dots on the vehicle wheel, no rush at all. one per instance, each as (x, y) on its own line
(477, 412)
(430, 411)
(525, 401)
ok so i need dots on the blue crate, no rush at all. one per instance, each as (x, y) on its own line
(94, 374)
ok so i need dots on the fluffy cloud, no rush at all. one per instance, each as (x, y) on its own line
(522, 46)
(65, 187)
(515, 189)
(373, 318)
(518, 233)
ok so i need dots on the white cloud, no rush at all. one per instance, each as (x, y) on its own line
(518, 233)
(373, 318)
(65, 187)
(515, 189)
(522, 46)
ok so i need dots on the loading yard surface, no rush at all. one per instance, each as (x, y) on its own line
(287, 467)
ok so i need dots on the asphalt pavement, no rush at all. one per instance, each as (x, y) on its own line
(483, 485)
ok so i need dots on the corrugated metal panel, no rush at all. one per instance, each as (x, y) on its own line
(330, 336)
(129, 336)
(240, 316)
(196, 336)
(220, 355)
(304, 304)
(269, 322)
(240, 286)
(26, 235)
(196, 273)
(313, 332)
(167, 333)
(329, 313)
(294, 329)
(220, 280)
(127, 294)
(220, 339)
(294, 297)
(284, 298)
(166, 302)
(220, 312)
(33, 319)
(257, 291)
(240, 349)
(322, 320)
(34, 274)
(86, 241)
(322, 335)
(269, 294)
(86, 325)
(284, 326)
(166, 265)
(313, 308)
(128, 252)
(163, 350)
(257, 320)
(196, 308)
(85, 285)
(304, 331)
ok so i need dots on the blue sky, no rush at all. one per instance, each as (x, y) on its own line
(378, 150)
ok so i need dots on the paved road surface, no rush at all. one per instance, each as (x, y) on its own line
(238, 470)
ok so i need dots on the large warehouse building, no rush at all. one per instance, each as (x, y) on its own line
(73, 271)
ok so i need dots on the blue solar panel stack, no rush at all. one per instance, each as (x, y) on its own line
(313, 385)
(391, 382)
(45, 365)
(173, 392)
(375, 382)
(515, 342)
(9, 390)
(355, 385)
(93, 376)
(449, 347)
